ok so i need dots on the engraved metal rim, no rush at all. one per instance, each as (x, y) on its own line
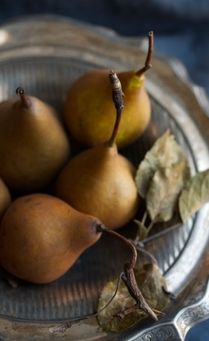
(179, 326)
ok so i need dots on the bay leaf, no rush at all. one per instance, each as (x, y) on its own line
(164, 153)
(164, 189)
(194, 195)
(150, 281)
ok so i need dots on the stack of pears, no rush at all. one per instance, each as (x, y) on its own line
(89, 114)
(41, 235)
(99, 181)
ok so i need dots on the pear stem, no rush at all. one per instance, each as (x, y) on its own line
(147, 64)
(128, 275)
(24, 99)
(117, 97)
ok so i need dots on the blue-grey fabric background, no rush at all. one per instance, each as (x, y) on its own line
(181, 30)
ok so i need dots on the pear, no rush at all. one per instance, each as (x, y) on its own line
(33, 144)
(99, 181)
(41, 237)
(5, 198)
(89, 114)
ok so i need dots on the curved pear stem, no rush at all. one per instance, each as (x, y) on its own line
(128, 275)
(117, 96)
(129, 244)
(24, 99)
(147, 64)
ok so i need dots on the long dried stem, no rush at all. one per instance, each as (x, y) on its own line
(128, 275)
(147, 64)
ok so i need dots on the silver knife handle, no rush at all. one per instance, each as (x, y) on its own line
(177, 329)
(192, 314)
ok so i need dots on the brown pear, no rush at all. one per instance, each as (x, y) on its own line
(100, 181)
(33, 143)
(89, 114)
(41, 237)
(5, 198)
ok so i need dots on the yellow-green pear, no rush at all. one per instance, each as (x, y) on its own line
(89, 114)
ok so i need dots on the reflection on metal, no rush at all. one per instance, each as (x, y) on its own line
(4, 36)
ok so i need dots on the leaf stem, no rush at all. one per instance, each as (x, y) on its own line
(150, 226)
(147, 64)
(144, 218)
(117, 97)
(112, 297)
(160, 234)
(140, 248)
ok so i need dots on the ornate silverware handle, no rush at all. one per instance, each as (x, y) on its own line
(177, 329)
(190, 315)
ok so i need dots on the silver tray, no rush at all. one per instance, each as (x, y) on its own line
(44, 55)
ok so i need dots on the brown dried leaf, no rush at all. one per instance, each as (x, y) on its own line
(150, 281)
(164, 190)
(194, 195)
(165, 152)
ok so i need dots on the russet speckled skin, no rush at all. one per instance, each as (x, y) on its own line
(33, 144)
(100, 182)
(41, 237)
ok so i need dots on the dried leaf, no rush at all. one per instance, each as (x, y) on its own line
(150, 281)
(194, 195)
(164, 190)
(142, 232)
(165, 153)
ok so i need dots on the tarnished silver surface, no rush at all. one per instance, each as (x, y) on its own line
(45, 55)
(177, 329)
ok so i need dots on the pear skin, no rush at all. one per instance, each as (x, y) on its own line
(100, 182)
(89, 114)
(41, 237)
(33, 144)
(5, 198)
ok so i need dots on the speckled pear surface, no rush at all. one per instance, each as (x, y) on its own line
(33, 144)
(89, 113)
(100, 182)
(41, 237)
